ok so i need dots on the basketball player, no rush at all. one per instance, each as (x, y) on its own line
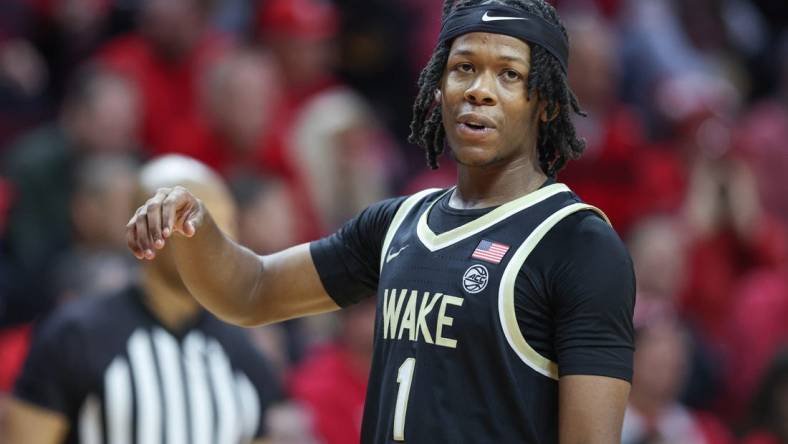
(504, 304)
(146, 365)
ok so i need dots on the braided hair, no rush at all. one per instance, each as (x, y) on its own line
(556, 142)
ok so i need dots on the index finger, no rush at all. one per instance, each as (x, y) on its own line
(169, 210)
(154, 218)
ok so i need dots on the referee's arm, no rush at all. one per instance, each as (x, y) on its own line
(229, 280)
(26, 423)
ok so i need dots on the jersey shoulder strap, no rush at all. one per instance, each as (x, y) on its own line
(506, 290)
(405, 207)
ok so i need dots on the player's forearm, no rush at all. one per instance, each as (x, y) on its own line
(226, 278)
(221, 274)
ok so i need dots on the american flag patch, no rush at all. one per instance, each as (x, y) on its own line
(490, 251)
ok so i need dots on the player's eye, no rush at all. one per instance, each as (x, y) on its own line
(464, 67)
(511, 75)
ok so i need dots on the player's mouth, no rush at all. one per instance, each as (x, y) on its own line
(474, 125)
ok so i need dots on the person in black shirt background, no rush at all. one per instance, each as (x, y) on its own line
(504, 303)
(148, 364)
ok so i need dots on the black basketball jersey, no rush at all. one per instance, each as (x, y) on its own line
(451, 362)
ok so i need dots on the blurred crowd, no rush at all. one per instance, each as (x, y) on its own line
(303, 107)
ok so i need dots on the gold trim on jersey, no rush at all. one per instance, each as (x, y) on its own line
(506, 309)
(399, 216)
(437, 241)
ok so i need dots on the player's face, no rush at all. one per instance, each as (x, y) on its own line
(486, 112)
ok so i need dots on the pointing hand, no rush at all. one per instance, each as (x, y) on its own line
(169, 211)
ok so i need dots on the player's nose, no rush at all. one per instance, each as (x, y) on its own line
(481, 90)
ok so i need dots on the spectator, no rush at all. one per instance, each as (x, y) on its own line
(67, 33)
(657, 248)
(618, 171)
(240, 96)
(654, 414)
(264, 199)
(103, 197)
(730, 236)
(769, 413)
(96, 263)
(757, 325)
(762, 136)
(100, 115)
(23, 71)
(666, 39)
(343, 159)
(92, 368)
(728, 232)
(166, 57)
(23, 80)
(238, 129)
(332, 382)
(378, 42)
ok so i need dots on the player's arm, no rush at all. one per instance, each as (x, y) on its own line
(247, 289)
(591, 409)
(594, 290)
(228, 279)
(29, 424)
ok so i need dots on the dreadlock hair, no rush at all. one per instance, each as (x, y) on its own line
(556, 141)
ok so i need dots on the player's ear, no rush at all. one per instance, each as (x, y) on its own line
(438, 95)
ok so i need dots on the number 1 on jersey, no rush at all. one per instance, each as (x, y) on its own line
(404, 379)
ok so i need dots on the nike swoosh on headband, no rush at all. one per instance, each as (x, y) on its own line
(486, 18)
(499, 19)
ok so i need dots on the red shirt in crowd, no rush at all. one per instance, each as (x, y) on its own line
(194, 138)
(757, 325)
(169, 89)
(14, 343)
(717, 264)
(760, 438)
(333, 389)
(625, 177)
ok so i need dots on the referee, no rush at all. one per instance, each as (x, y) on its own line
(147, 365)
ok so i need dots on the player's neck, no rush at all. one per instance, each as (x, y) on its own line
(174, 307)
(482, 187)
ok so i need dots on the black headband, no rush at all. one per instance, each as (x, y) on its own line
(499, 19)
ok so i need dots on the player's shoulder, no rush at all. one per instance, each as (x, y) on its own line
(586, 234)
(587, 225)
(582, 251)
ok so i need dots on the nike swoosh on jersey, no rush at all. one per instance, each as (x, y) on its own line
(392, 255)
(486, 18)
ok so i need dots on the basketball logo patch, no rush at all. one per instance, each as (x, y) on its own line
(475, 278)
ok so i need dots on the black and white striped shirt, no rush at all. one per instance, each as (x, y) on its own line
(121, 377)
